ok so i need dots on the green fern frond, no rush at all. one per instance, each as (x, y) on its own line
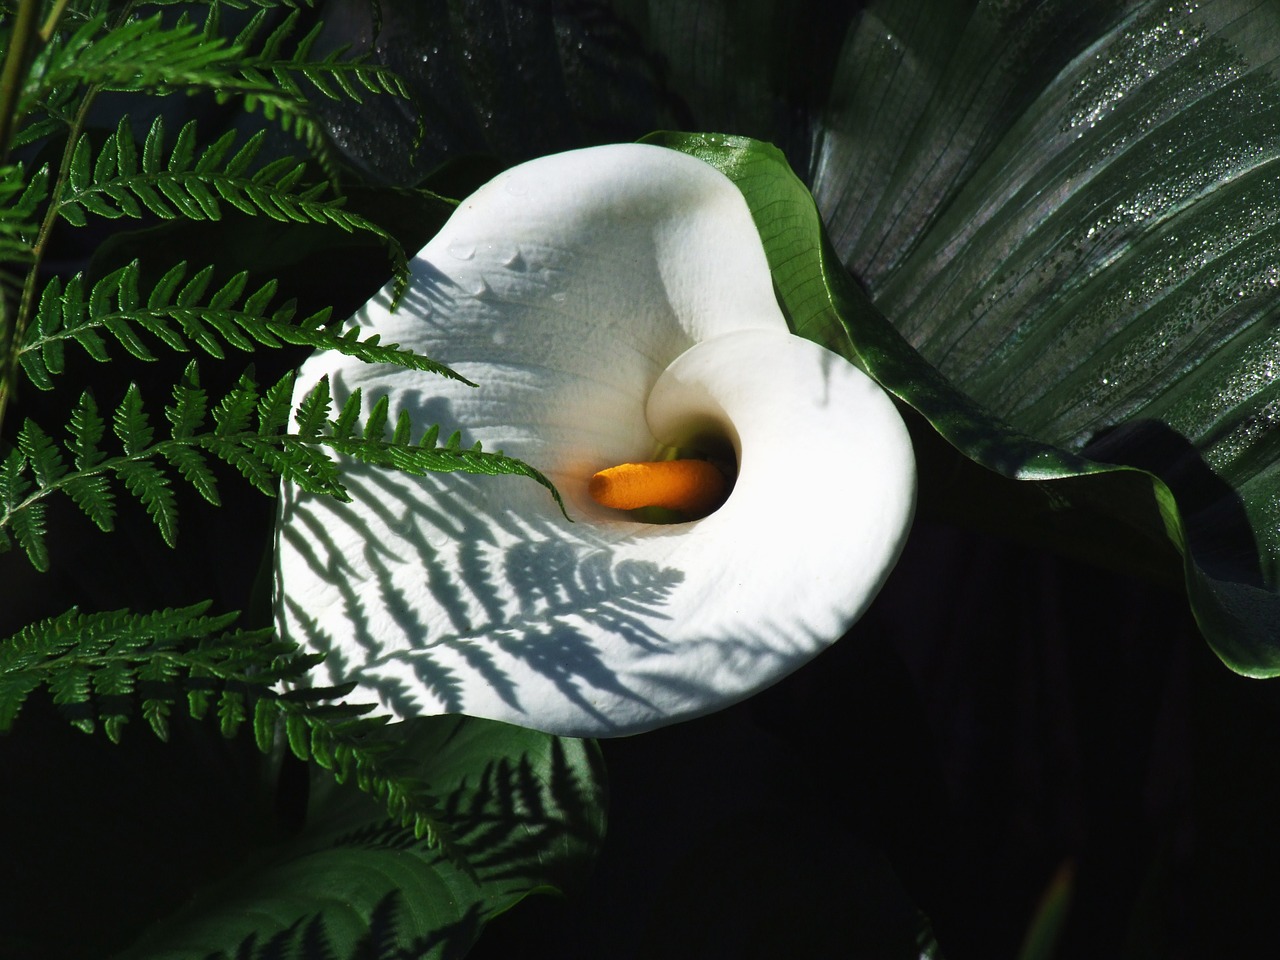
(20, 200)
(273, 81)
(179, 182)
(89, 489)
(339, 739)
(67, 652)
(106, 669)
(140, 475)
(55, 117)
(97, 666)
(190, 405)
(23, 515)
(345, 423)
(147, 482)
(185, 309)
(312, 414)
(332, 75)
(42, 454)
(154, 54)
(248, 432)
(87, 429)
(274, 408)
(130, 423)
(369, 445)
(144, 54)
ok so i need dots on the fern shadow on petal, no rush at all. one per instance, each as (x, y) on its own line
(428, 589)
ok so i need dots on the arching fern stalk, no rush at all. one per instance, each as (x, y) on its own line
(103, 667)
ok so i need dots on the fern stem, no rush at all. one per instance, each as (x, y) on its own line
(15, 65)
(12, 333)
(51, 22)
(10, 348)
(11, 81)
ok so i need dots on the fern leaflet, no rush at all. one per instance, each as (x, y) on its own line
(249, 433)
(185, 309)
(97, 666)
(331, 75)
(20, 200)
(135, 55)
(179, 182)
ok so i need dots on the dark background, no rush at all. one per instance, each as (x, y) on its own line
(1002, 718)
(1005, 722)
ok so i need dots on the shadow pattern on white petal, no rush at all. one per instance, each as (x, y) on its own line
(494, 599)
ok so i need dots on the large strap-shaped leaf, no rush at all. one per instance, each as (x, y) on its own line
(1071, 211)
(1068, 269)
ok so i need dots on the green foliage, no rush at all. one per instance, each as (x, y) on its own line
(125, 52)
(331, 75)
(246, 429)
(128, 54)
(1095, 322)
(184, 308)
(103, 410)
(100, 443)
(524, 811)
(89, 51)
(19, 201)
(80, 51)
(101, 667)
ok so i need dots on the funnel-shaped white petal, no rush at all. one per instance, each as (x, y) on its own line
(607, 301)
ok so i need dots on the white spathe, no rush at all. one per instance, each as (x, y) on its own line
(607, 302)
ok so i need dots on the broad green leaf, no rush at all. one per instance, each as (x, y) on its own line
(1075, 222)
(493, 84)
(525, 811)
(1066, 266)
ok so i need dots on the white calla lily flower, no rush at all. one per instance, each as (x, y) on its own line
(609, 303)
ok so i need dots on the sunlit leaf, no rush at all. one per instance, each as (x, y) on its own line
(525, 810)
(1075, 262)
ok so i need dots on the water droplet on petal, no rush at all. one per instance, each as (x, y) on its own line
(462, 250)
